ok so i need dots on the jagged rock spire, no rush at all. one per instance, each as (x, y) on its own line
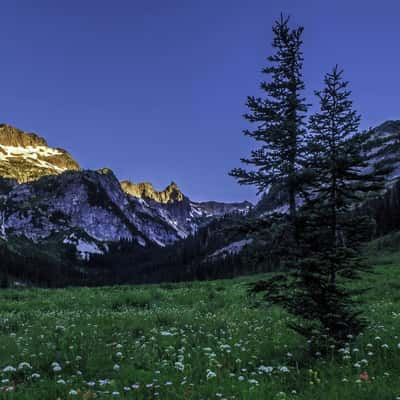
(171, 194)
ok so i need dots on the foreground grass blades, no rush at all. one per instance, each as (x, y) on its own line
(188, 341)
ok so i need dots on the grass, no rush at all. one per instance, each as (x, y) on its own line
(190, 341)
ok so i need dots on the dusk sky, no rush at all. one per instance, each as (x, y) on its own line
(155, 90)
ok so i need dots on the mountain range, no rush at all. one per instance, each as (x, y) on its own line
(45, 197)
(61, 224)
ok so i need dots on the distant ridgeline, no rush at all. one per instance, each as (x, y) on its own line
(53, 211)
(62, 225)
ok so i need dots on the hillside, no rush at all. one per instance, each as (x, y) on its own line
(83, 224)
(389, 151)
(198, 340)
(45, 197)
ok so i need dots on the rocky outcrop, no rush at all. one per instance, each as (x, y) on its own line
(179, 209)
(216, 209)
(45, 196)
(10, 136)
(27, 157)
(389, 150)
(171, 194)
(84, 202)
(385, 141)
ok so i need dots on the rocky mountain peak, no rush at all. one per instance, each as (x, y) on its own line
(105, 171)
(145, 190)
(27, 156)
(10, 136)
(87, 209)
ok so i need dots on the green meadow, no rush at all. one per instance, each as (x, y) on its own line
(198, 340)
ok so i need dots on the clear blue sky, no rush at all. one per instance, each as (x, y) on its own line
(155, 90)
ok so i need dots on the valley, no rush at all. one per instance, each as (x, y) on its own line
(46, 197)
(72, 221)
(133, 266)
(192, 341)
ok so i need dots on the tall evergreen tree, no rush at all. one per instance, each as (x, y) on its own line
(339, 157)
(332, 231)
(279, 116)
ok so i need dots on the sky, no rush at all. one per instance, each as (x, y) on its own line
(156, 89)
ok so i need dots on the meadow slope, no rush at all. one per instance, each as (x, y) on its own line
(190, 341)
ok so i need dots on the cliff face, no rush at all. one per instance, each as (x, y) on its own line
(171, 194)
(27, 157)
(10, 136)
(275, 199)
(84, 208)
(389, 131)
(45, 197)
(215, 208)
(186, 214)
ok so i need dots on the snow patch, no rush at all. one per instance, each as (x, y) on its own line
(232, 249)
(31, 154)
(141, 241)
(84, 248)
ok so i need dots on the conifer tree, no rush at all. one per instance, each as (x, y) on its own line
(342, 177)
(339, 157)
(279, 116)
(331, 231)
